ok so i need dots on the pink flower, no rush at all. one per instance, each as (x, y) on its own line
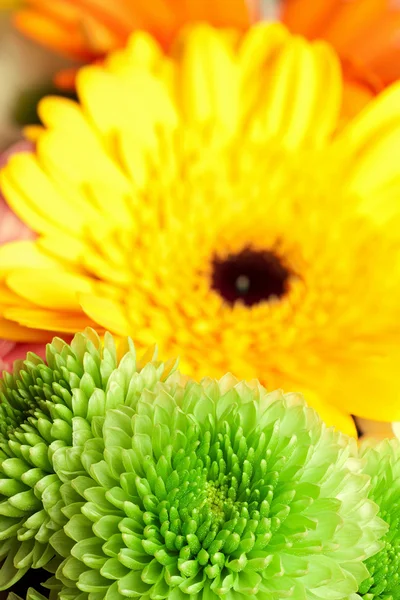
(11, 351)
(13, 229)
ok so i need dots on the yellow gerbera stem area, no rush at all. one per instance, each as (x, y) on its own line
(204, 200)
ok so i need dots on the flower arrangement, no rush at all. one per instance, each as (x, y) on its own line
(228, 190)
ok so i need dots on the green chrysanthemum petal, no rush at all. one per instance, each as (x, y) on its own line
(47, 412)
(383, 465)
(31, 594)
(35, 585)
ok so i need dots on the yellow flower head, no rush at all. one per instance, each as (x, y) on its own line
(204, 200)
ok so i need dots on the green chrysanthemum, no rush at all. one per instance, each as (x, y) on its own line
(383, 465)
(213, 490)
(47, 412)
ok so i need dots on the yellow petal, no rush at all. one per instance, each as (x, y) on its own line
(36, 318)
(117, 274)
(61, 113)
(113, 205)
(380, 116)
(372, 392)
(10, 298)
(259, 47)
(209, 79)
(134, 158)
(40, 194)
(74, 148)
(302, 97)
(142, 50)
(382, 206)
(371, 143)
(24, 254)
(49, 288)
(108, 313)
(74, 139)
(328, 94)
(33, 132)
(74, 159)
(330, 414)
(21, 205)
(256, 54)
(63, 246)
(136, 102)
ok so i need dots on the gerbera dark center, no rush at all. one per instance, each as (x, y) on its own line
(250, 276)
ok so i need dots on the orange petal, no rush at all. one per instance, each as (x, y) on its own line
(68, 41)
(348, 26)
(356, 95)
(123, 16)
(220, 13)
(308, 21)
(66, 79)
(86, 29)
(100, 38)
(65, 12)
(380, 52)
(365, 31)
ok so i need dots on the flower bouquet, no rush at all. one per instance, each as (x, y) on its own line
(228, 191)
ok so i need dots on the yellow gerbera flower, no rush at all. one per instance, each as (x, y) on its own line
(203, 201)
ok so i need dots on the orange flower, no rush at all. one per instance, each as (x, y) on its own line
(86, 30)
(365, 33)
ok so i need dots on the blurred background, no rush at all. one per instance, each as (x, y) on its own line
(27, 69)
